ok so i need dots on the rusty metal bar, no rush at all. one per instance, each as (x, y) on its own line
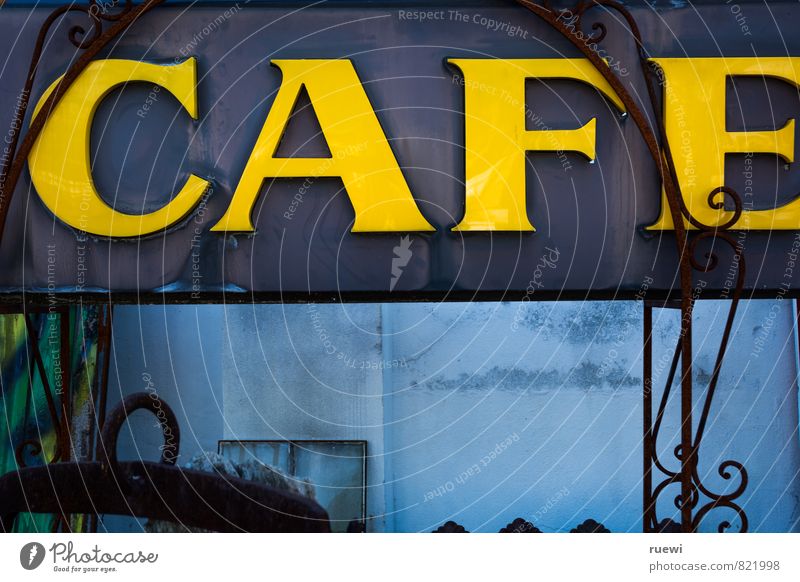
(655, 139)
(99, 391)
(92, 44)
(33, 342)
(108, 321)
(160, 491)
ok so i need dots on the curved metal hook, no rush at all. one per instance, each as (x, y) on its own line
(142, 401)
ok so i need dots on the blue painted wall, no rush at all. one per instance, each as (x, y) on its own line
(474, 412)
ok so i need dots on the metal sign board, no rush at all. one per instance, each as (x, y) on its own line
(393, 151)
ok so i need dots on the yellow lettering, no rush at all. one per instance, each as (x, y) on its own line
(694, 112)
(361, 156)
(59, 161)
(497, 139)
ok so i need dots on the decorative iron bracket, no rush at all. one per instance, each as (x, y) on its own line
(94, 39)
(91, 41)
(658, 146)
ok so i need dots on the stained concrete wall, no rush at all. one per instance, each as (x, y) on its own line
(173, 352)
(294, 372)
(476, 412)
(567, 381)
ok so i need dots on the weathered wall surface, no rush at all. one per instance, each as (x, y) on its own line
(174, 352)
(563, 387)
(300, 372)
(475, 412)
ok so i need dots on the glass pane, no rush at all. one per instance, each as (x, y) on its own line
(335, 469)
(337, 472)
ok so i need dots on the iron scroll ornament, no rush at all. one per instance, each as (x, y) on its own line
(91, 41)
(569, 23)
(58, 407)
(94, 38)
(90, 38)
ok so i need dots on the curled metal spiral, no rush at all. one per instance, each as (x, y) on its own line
(573, 20)
(91, 39)
(721, 501)
(693, 499)
(97, 12)
(678, 499)
(674, 477)
(723, 525)
(726, 474)
(567, 22)
(720, 205)
(35, 449)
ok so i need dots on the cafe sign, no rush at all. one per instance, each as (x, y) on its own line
(344, 152)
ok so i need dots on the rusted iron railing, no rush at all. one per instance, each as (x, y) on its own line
(692, 488)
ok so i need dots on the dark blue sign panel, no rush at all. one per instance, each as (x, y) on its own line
(593, 198)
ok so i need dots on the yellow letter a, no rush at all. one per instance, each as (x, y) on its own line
(361, 156)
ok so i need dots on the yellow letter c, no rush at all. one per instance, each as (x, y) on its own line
(59, 161)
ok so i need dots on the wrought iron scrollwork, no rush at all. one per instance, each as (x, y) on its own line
(91, 41)
(97, 13)
(570, 23)
(58, 408)
(94, 36)
(34, 447)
